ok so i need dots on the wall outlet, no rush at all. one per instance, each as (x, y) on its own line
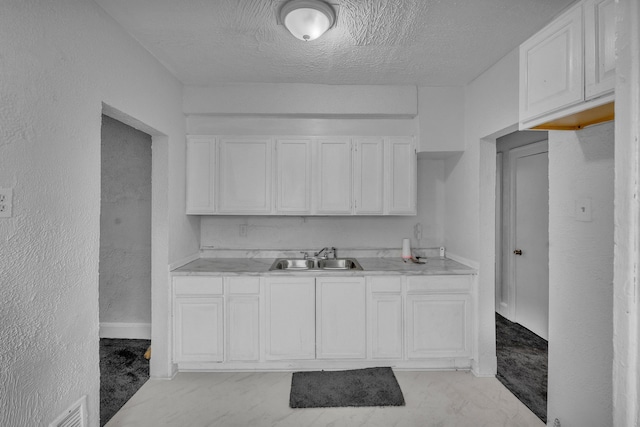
(6, 202)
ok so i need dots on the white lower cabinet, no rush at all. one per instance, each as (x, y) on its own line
(243, 318)
(438, 317)
(290, 318)
(341, 318)
(198, 319)
(276, 322)
(385, 317)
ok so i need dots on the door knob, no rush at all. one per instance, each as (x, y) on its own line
(518, 252)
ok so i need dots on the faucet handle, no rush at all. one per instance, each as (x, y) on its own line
(306, 255)
(335, 252)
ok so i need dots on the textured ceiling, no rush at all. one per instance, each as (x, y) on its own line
(417, 42)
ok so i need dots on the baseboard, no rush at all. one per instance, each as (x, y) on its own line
(466, 261)
(125, 330)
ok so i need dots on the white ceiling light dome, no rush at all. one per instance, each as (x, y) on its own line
(307, 19)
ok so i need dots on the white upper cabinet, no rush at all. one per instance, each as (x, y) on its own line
(567, 69)
(551, 67)
(599, 35)
(401, 176)
(333, 177)
(201, 159)
(293, 176)
(244, 178)
(369, 176)
(298, 175)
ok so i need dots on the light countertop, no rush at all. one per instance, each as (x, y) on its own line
(371, 266)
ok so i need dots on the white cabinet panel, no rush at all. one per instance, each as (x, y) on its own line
(369, 176)
(385, 317)
(243, 328)
(334, 166)
(438, 326)
(401, 176)
(244, 167)
(293, 176)
(341, 317)
(201, 160)
(243, 318)
(290, 318)
(600, 60)
(551, 67)
(198, 329)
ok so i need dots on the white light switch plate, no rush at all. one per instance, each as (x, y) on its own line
(583, 209)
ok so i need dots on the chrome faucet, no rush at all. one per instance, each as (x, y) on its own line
(326, 251)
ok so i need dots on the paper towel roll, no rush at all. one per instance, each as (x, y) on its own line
(406, 248)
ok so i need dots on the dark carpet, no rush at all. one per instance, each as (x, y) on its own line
(123, 370)
(522, 364)
(358, 387)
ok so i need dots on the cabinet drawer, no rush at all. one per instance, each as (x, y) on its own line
(385, 284)
(197, 285)
(242, 285)
(450, 283)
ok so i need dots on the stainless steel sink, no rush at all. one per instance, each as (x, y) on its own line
(339, 264)
(294, 264)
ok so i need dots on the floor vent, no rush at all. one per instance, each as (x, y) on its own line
(75, 416)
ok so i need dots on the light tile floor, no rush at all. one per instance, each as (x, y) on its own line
(433, 399)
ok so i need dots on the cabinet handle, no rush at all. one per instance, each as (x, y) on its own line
(518, 252)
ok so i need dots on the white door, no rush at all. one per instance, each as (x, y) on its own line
(334, 176)
(530, 236)
(293, 176)
(201, 161)
(341, 318)
(369, 176)
(401, 176)
(198, 329)
(290, 312)
(244, 167)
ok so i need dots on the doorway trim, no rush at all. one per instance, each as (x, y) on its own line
(160, 340)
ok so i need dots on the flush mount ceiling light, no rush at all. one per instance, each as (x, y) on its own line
(307, 19)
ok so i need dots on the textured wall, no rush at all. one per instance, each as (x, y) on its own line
(580, 277)
(60, 61)
(125, 224)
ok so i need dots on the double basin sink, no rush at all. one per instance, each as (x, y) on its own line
(294, 264)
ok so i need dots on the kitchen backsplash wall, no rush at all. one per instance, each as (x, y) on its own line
(224, 232)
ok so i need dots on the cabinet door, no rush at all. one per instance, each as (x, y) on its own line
(201, 162)
(438, 326)
(369, 176)
(600, 60)
(401, 172)
(243, 318)
(244, 167)
(341, 318)
(198, 329)
(290, 318)
(334, 176)
(551, 67)
(293, 176)
(385, 317)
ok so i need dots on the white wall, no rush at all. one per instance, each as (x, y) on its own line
(441, 119)
(626, 326)
(580, 277)
(125, 231)
(60, 61)
(491, 111)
